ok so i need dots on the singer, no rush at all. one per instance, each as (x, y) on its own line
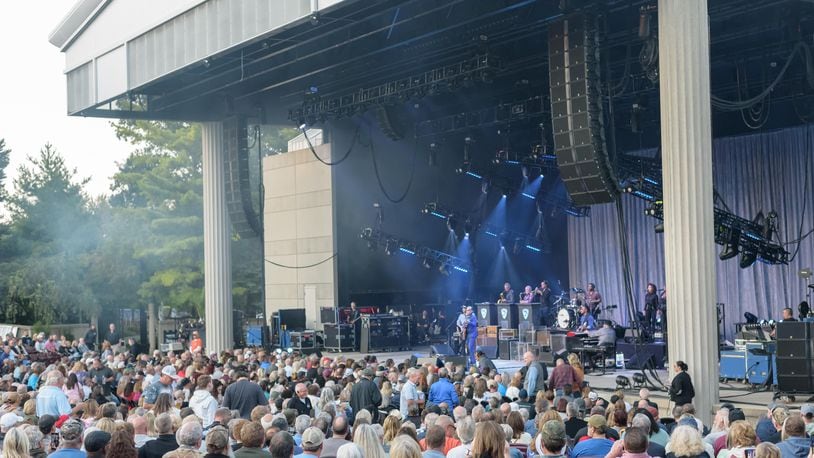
(471, 333)
(507, 295)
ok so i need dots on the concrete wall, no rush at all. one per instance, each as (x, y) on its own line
(299, 231)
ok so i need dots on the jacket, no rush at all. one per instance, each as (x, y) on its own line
(204, 406)
(681, 389)
(794, 446)
(159, 446)
(365, 395)
(443, 391)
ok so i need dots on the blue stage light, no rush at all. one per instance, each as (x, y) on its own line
(525, 194)
(533, 248)
(408, 251)
(461, 269)
(473, 174)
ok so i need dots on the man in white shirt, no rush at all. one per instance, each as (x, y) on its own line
(409, 392)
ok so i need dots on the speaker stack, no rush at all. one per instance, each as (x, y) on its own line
(794, 355)
(576, 110)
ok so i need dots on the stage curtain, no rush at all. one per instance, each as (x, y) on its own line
(752, 173)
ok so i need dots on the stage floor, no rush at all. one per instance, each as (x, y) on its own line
(741, 395)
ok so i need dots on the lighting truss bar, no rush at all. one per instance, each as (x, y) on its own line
(528, 108)
(377, 237)
(448, 77)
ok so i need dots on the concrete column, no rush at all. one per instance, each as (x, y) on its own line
(686, 142)
(152, 326)
(217, 252)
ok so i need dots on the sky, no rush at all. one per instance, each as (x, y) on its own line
(33, 98)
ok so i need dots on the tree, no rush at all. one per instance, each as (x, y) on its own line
(5, 154)
(52, 233)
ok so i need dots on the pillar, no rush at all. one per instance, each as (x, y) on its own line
(686, 145)
(217, 253)
(152, 327)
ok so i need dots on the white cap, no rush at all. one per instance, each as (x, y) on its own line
(169, 371)
(10, 420)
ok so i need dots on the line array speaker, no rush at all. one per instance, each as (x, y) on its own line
(576, 110)
(795, 373)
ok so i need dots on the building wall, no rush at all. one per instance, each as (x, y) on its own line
(299, 231)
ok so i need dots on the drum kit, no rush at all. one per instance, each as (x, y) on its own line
(568, 303)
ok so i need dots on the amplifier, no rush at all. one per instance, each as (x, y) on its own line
(504, 348)
(175, 346)
(543, 338)
(305, 340)
(484, 340)
(339, 337)
(507, 334)
(518, 349)
(491, 331)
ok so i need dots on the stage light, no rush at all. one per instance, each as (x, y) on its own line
(747, 258)
(468, 227)
(484, 187)
(504, 196)
(407, 250)
(525, 171)
(474, 175)
(639, 379)
(528, 196)
(730, 249)
(390, 247)
(303, 127)
(452, 223)
(533, 248)
(461, 269)
(659, 228)
(426, 263)
(432, 158)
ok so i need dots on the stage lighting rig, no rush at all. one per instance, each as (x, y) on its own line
(428, 256)
(502, 113)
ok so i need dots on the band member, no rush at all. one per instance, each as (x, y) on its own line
(460, 323)
(353, 313)
(471, 333)
(586, 320)
(788, 314)
(651, 306)
(592, 298)
(507, 295)
(543, 294)
(527, 296)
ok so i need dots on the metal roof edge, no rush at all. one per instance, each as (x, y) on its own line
(74, 21)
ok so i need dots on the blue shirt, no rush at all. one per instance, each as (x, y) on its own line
(68, 453)
(52, 401)
(592, 447)
(443, 391)
(472, 326)
(33, 381)
(588, 322)
(531, 379)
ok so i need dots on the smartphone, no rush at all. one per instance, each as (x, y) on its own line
(749, 453)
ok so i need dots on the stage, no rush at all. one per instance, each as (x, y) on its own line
(753, 403)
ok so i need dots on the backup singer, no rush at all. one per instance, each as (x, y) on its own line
(527, 296)
(471, 334)
(592, 298)
(507, 295)
(651, 306)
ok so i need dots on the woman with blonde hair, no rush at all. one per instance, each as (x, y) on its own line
(768, 450)
(686, 442)
(365, 437)
(741, 438)
(490, 441)
(107, 425)
(387, 393)
(16, 445)
(30, 411)
(405, 447)
(392, 424)
(579, 371)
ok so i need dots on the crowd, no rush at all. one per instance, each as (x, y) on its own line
(115, 402)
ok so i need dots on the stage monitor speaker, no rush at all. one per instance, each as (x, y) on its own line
(576, 110)
(794, 366)
(794, 383)
(546, 357)
(641, 360)
(327, 315)
(441, 349)
(504, 348)
(459, 361)
(489, 350)
(558, 342)
(793, 348)
(425, 360)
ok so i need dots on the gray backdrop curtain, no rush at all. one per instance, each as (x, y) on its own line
(765, 171)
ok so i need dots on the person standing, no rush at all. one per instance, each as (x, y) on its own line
(562, 375)
(113, 337)
(651, 306)
(681, 389)
(507, 295)
(365, 395)
(536, 375)
(546, 306)
(244, 395)
(91, 336)
(301, 402)
(409, 393)
(592, 298)
(471, 334)
(51, 400)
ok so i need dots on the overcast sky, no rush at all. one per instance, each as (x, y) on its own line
(33, 100)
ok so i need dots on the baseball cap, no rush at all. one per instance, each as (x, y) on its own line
(807, 410)
(523, 393)
(368, 372)
(71, 431)
(312, 437)
(593, 396)
(597, 421)
(169, 371)
(96, 440)
(553, 430)
(10, 420)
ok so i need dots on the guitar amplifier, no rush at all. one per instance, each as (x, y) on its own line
(507, 334)
(504, 348)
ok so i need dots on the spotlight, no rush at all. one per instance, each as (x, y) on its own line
(525, 171)
(748, 258)
(639, 379)
(468, 226)
(484, 187)
(426, 263)
(730, 249)
(659, 228)
(432, 159)
(452, 223)
(314, 19)
(303, 126)
(390, 247)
